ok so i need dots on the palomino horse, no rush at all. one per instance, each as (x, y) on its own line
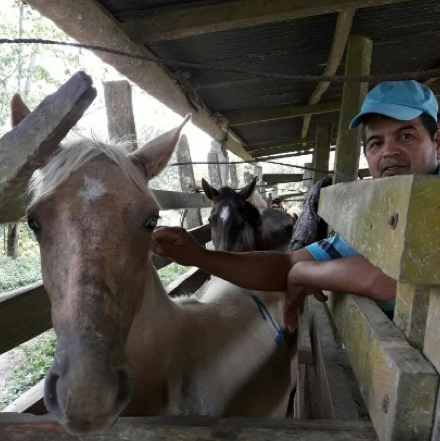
(238, 225)
(122, 343)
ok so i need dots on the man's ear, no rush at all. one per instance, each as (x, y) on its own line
(153, 157)
(19, 110)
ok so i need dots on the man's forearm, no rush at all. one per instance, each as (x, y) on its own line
(264, 271)
(349, 274)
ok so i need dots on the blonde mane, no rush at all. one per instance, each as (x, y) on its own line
(72, 156)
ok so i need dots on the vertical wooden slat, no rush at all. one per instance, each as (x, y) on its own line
(321, 154)
(411, 311)
(233, 178)
(348, 144)
(119, 108)
(187, 181)
(214, 170)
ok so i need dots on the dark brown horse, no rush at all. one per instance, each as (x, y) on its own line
(238, 225)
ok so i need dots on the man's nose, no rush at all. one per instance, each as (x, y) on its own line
(390, 148)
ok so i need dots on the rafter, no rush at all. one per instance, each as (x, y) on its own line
(189, 22)
(262, 114)
(342, 31)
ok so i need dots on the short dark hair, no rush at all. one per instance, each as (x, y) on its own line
(428, 122)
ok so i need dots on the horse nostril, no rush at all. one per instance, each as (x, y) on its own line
(51, 395)
(125, 386)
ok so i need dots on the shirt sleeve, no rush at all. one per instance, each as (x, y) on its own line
(329, 249)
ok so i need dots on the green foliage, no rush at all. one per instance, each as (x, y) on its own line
(171, 272)
(35, 358)
(19, 272)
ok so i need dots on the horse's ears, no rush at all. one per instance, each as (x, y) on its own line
(153, 157)
(210, 192)
(19, 110)
(249, 189)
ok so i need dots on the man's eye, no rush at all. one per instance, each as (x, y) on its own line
(406, 136)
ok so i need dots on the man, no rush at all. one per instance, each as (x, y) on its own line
(399, 131)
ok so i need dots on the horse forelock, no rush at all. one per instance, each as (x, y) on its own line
(70, 157)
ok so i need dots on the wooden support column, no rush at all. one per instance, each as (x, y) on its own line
(214, 170)
(321, 154)
(258, 171)
(187, 181)
(348, 144)
(233, 178)
(119, 109)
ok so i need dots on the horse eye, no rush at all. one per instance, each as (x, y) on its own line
(151, 223)
(33, 224)
(211, 220)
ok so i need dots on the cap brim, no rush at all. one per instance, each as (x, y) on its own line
(396, 111)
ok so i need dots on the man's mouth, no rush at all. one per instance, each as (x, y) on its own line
(392, 170)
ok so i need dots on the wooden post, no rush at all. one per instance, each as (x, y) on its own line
(214, 170)
(233, 178)
(119, 108)
(258, 171)
(187, 181)
(321, 154)
(348, 143)
(247, 177)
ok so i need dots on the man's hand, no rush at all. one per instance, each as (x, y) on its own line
(296, 294)
(177, 244)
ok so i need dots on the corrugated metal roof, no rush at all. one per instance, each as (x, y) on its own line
(405, 37)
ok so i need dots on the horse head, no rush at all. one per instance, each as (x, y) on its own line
(93, 216)
(235, 222)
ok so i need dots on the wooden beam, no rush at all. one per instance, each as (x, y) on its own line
(335, 396)
(393, 222)
(87, 22)
(282, 178)
(190, 22)
(188, 283)
(24, 314)
(21, 427)
(294, 152)
(348, 144)
(263, 114)
(321, 153)
(119, 109)
(398, 385)
(282, 143)
(342, 31)
(35, 139)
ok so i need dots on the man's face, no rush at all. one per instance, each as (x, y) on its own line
(395, 147)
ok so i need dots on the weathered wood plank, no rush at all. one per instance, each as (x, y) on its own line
(393, 222)
(174, 200)
(87, 22)
(119, 108)
(24, 314)
(335, 397)
(188, 283)
(193, 217)
(321, 154)
(411, 311)
(28, 145)
(398, 385)
(348, 143)
(280, 178)
(18, 427)
(262, 114)
(189, 22)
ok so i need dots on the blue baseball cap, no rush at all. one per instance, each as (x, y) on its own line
(403, 100)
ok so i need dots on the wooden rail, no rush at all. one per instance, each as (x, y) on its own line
(393, 222)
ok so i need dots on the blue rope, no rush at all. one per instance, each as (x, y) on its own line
(265, 314)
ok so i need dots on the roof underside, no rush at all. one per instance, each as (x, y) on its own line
(405, 38)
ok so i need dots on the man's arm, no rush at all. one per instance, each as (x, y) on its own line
(349, 274)
(264, 271)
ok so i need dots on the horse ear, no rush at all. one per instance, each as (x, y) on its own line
(19, 110)
(210, 192)
(153, 157)
(249, 189)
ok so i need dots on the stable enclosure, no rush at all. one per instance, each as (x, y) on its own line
(361, 375)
